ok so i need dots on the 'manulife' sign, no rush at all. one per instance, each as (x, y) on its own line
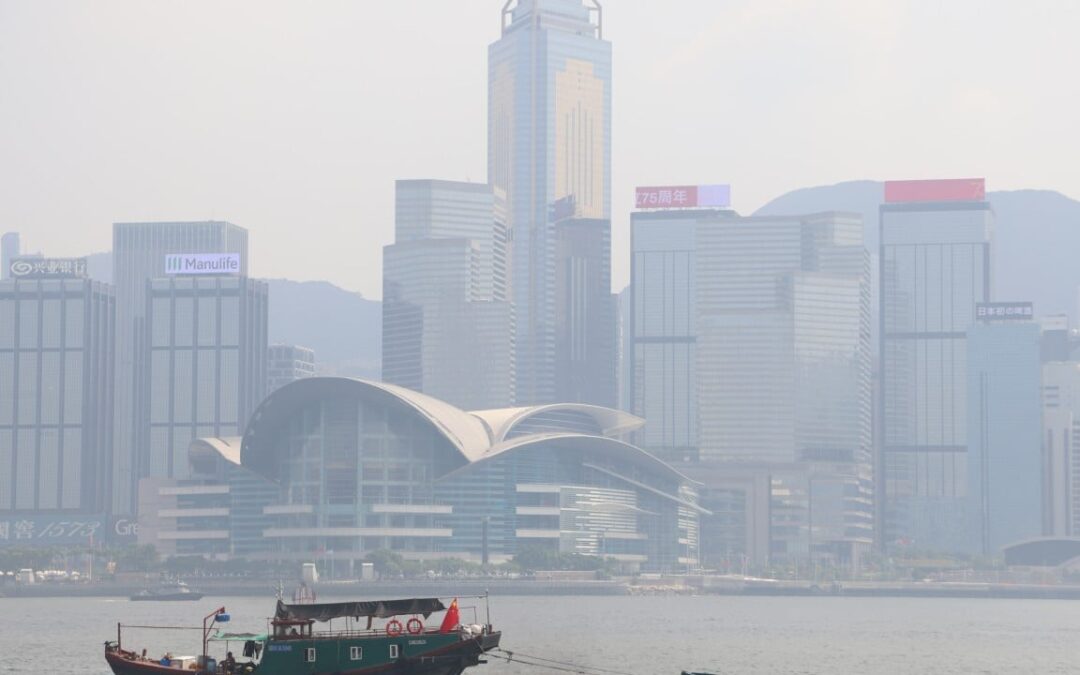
(47, 268)
(202, 263)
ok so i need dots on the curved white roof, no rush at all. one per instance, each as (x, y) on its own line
(478, 435)
(470, 434)
(612, 422)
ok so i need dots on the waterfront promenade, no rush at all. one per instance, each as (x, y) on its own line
(538, 585)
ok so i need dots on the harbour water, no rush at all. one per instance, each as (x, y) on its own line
(637, 635)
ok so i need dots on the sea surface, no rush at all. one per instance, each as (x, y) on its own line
(634, 635)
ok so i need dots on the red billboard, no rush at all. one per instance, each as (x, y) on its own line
(942, 190)
(682, 196)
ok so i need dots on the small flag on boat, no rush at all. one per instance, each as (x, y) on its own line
(451, 620)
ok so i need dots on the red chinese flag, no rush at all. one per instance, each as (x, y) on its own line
(452, 618)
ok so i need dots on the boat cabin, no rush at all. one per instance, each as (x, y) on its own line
(285, 629)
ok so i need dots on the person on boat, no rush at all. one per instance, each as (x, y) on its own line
(229, 664)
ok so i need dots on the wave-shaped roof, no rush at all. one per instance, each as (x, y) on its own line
(503, 422)
(477, 436)
(465, 432)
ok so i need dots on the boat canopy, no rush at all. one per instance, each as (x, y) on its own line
(237, 637)
(373, 608)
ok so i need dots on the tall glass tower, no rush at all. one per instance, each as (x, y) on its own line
(140, 251)
(447, 324)
(549, 144)
(935, 268)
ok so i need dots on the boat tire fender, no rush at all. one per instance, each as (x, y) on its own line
(393, 628)
(415, 626)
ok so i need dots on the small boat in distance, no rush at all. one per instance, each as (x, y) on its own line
(174, 591)
(402, 644)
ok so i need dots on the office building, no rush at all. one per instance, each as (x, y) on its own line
(662, 345)
(783, 372)
(447, 323)
(585, 313)
(140, 253)
(1005, 463)
(935, 268)
(56, 365)
(205, 364)
(751, 367)
(287, 363)
(360, 466)
(1061, 448)
(549, 139)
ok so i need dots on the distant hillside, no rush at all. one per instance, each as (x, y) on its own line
(343, 328)
(1035, 241)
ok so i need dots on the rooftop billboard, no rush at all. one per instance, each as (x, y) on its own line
(682, 196)
(941, 190)
(183, 264)
(47, 268)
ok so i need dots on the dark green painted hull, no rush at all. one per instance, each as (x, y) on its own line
(425, 654)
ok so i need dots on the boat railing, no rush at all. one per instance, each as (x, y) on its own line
(357, 633)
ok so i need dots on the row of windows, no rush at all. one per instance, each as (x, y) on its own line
(61, 322)
(355, 653)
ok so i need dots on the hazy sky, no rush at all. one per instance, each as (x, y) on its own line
(294, 118)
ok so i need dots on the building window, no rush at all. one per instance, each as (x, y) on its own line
(356, 653)
(310, 655)
(393, 651)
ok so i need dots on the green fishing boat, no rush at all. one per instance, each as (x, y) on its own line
(349, 644)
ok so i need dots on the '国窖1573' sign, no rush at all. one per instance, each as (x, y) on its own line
(202, 263)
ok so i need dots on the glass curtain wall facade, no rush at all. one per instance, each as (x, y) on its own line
(549, 139)
(206, 365)
(783, 370)
(447, 323)
(935, 267)
(1061, 448)
(365, 466)
(585, 354)
(56, 368)
(663, 329)
(139, 252)
(1005, 466)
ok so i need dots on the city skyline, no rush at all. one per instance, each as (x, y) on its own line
(749, 338)
(218, 169)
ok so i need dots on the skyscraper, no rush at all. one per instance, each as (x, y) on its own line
(1005, 463)
(205, 365)
(140, 251)
(783, 338)
(663, 343)
(56, 364)
(585, 330)
(549, 139)
(751, 366)
(1061, 448)
(935, 268)
(447, 323)
(783, 371)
